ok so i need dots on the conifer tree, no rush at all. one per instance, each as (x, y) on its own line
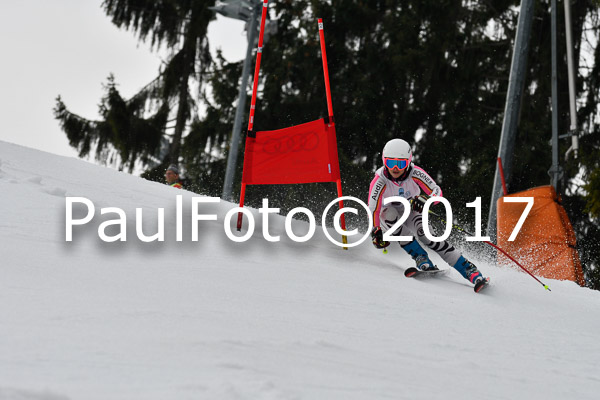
(178, 25)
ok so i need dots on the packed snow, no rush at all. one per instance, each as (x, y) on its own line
(215, 319)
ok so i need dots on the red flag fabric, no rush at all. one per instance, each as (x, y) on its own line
(299, 154)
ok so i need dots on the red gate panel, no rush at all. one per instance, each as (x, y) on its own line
(303, 153)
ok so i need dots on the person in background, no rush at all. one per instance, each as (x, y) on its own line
(172, 177)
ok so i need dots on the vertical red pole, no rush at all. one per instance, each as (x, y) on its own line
(254, 90)
(502, 176)
(325, 69)
(330, 113)
(257, 68)
(240, 215)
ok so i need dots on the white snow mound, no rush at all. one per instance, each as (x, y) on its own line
(214, 319)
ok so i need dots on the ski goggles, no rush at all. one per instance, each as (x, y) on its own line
(396, 163)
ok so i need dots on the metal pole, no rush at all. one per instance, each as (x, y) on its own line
(571, 73)
(516, 84)
(556, 170)
(239, 112)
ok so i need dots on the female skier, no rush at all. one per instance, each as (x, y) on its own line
(400, 177)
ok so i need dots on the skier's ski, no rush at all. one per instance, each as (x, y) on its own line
(414, 272)
(482, 284)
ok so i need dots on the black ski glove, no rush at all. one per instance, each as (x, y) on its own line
(418, 202)
(377, 237)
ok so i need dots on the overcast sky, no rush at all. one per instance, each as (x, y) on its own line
(69, 47)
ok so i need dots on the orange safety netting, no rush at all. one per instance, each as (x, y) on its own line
(546, 243)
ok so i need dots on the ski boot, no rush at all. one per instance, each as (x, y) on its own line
(474, 274)
(470, 272)
(422, 261)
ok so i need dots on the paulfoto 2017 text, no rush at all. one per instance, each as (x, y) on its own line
(120, 220)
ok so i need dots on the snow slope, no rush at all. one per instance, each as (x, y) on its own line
(215, 319)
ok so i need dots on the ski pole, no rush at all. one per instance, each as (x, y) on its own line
(461, 229)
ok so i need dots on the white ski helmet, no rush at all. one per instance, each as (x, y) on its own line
(397, 149)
